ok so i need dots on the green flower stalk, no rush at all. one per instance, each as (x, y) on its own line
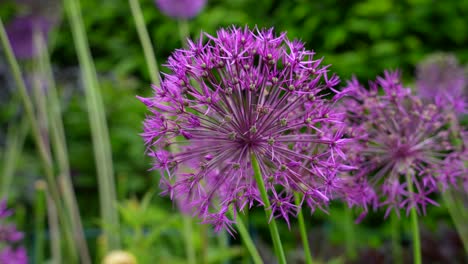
(99, 130)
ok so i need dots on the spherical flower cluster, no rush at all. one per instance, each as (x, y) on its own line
(181, 9)
(398, 136)
(245, 93)
(10, 252)
(442, 80)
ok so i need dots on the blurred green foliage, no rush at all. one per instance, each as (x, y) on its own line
(148, 226)
(356, 37)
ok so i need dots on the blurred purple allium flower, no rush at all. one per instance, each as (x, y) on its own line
(440, 79)
(10, 255)
(10, 252)
(21, 32)
(455, 172)
(181, 9)
(4, 211)
(398, 135)
(245, 93)
(8, 233)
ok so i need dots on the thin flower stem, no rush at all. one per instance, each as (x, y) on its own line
(457, 218)
(41, 145)
(28, 107)
(457, 196)
(223, 241)
(454, 202)
(302, 229)
(414, 223)
(153, 69)
(188, 236)
(54, 231)
(145, 41)
(245, 219)
(14, 145)
(184, 32)
(40, 213)
(151, 62)
(59, 146)
(204, 244)
(272, 225)
(396, 244)
(246, 239)
(99, 130)
(350, 236)
(42, 106)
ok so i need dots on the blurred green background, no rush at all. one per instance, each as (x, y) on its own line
(356, 37)
(360, 37)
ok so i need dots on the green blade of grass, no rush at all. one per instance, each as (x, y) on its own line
(59, 146)
(14, 145)
(54, 231)
(40, 214)
(99, 130)
(42, 148)
(150, 58)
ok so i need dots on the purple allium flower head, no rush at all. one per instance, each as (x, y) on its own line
(244, 93)
(442, 80)
(12, 255)
(21, 34)
(10, 252)
(8, 233)
(4, 211)
(398, 135)
(181, 9)
(454, 172)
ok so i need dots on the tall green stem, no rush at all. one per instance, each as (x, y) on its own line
(223, 242)
(203, 257)
(302, 229)
(59, 147)
(459, 221)
(28, 107)
(14, 145)
(245, 219)
(54, 231)
(99, 130)
(350, 236)
(414, 223)
(272, 225)
(188, 235)
(145, 41)
(246, 239)
(42, 147)
(41, 105)
(396, 244)
(151, 62)
(39, 220)
(183, 31)
(452, 199)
